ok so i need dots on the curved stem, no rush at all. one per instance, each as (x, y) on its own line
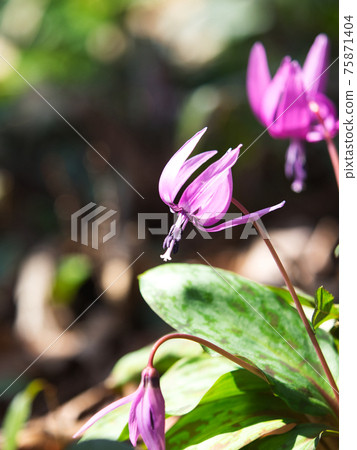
(208, 344)
(333, 156)
(293, 294)
(330, 144)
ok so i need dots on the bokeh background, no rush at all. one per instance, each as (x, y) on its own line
(136, 79)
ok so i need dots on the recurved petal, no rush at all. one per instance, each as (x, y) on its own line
(293, 115)
(328, 114)
(169, 175)
(271, 99)
(215, 205)
(206, 184)
(252, 217)
(105, 411)
(258, 78)
(316, 62)
(189, 168)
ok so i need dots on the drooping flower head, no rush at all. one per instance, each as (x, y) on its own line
(283, 103)
(206, 200)
(147, 412)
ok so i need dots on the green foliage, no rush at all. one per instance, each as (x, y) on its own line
(335, 334)
(241, 437)
(130, 366)
(192, 378)
(324, 308)
(246, 319)
(58, 39)
(238, 400)
(18, 413)
(220, 406)
(72, 272)
(302, 437)
(283, 293)
(110, 426)
(94, 58)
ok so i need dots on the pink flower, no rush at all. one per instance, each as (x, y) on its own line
(283, 103)
(147, 412)
(206, 200)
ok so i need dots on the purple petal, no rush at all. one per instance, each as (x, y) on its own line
(252, 217)
(206, 184)
(258, 78)
(315, 64)
(133, 423)
(189, 168)
(294, 165)
(215, 207)
(151, 416)
(105, 411)
(272, 96)
(167, 182)
(293, 114)
(328, 113)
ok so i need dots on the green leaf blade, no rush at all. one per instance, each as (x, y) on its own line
(246, 319)
(241, 438)
(129, 367)
(110, 426)
(324, 308)
(238, 408)
(191, 378)
(302, 437)
(18, 413)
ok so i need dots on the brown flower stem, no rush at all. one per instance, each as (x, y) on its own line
(330, 400)
(333, 156)
(293, 294)
(330, 144)
(208, 344)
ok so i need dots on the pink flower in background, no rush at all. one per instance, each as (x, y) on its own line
(283, 103)
(147, 412)
(206, 200)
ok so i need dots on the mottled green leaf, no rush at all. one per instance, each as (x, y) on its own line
(282, 292)
(18, 413)
(247, 319)
(302, 437)
(189, 379)
(324, 308)
(130, 366)
(109, 426)
(236, 401)
(242, 437)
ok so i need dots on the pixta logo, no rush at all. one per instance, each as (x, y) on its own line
(87, 221)
(160, 223)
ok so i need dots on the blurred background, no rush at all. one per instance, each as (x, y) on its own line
(90, 88)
